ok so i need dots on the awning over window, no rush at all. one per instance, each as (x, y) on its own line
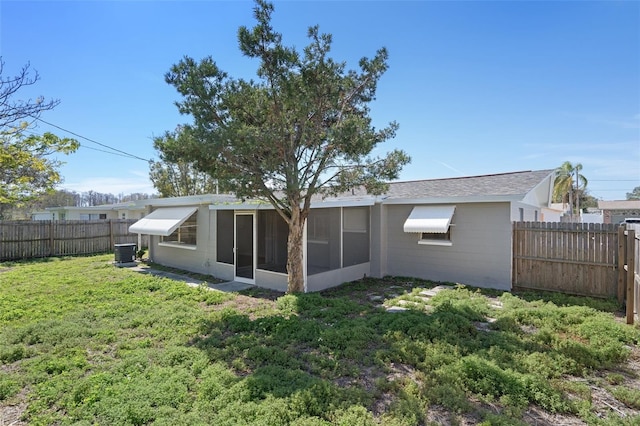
(434, 219)
(162, 221)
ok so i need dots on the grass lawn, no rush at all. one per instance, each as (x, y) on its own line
(83, 342)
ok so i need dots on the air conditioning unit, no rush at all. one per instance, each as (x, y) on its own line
(125, 254)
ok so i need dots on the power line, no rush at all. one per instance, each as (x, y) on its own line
(122, 153)
(85, 146)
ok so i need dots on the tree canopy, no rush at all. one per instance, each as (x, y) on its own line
(178, 178)
(634, 194)
(27, 168)
(301, 128)
(564, 189)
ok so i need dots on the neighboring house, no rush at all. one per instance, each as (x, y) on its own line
(41, 216)
(554, 212)
(618, 211)
(129, 210)
(591, 216)
(456, 230)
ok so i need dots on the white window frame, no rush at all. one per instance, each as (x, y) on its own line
(446, 242)
(191, 222)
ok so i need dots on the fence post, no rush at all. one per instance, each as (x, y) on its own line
(514, 253)
(630, 268)
(622, 281)
(51, 239)
(111, 233)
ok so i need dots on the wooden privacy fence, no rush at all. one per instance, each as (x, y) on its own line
(573, 258)
(590, 259)
(44, 238)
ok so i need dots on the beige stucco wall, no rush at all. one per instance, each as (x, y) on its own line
(378, 241)
(529, 213)
(325, 280)
(271, 280)
(479, 256)
(202, 259)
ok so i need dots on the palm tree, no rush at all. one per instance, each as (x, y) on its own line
(563, 185)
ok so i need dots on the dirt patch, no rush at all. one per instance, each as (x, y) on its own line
(11, 410)
(250, 306)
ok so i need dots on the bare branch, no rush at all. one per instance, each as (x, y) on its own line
(13, 111)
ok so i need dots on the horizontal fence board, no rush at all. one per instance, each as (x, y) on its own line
(33, 239)
(572, 258)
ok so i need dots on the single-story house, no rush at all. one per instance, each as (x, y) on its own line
(128, 210)
(554, 212)
(456, 230)
(617, 211)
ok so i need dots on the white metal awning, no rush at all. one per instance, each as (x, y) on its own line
(162, 221)
(434, 219)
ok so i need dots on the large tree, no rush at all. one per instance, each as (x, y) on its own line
(27, 168)
(301, 129)
(564, 189)
(180, 177)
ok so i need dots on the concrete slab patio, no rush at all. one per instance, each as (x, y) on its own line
(229, 286)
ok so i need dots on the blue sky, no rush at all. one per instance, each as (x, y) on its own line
(477, 87)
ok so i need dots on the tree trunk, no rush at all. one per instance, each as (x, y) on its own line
(295, 252)
(578, 197)
(571, 200)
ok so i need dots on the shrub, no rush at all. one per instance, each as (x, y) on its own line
(8, 386)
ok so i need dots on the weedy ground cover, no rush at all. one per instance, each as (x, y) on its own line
(83, 342)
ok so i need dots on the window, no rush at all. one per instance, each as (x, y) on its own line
(318, 226)
(62, 216)
(355, 236)
(273, 233)
(185, 233)
(433, 223)
(224, 236)
(436, 236)
(92, 216)
(323, 240)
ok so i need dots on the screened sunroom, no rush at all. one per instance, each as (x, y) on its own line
(254, 243)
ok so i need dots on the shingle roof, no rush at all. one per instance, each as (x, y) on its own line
(514, 184)
(503, 184)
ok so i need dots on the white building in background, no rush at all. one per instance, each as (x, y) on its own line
(129, 210)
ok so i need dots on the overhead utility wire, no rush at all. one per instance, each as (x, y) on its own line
(96, 142)
(87, 147)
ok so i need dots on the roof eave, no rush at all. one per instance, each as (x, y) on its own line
(465, 199)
